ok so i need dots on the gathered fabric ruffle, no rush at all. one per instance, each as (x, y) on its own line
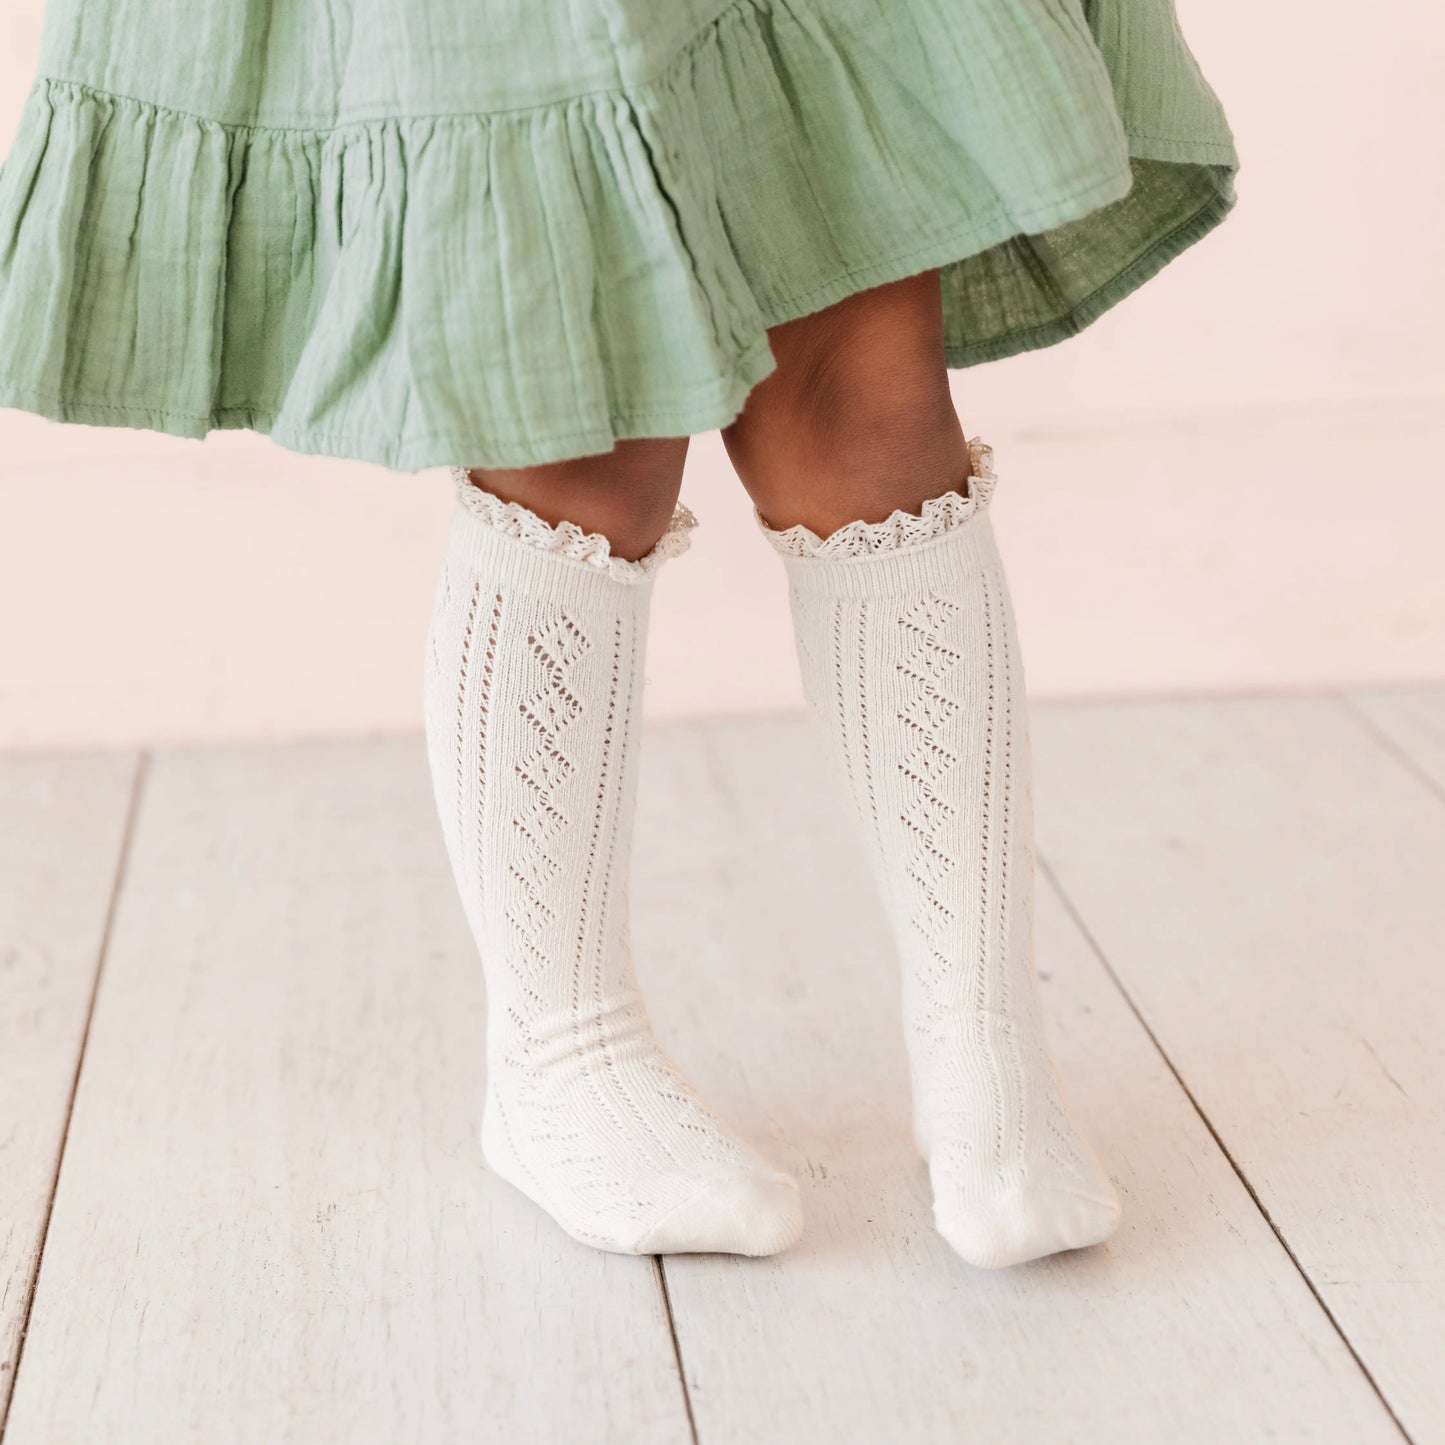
(522, 286)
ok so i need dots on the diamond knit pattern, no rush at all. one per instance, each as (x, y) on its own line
(532, 698)
(911, 664)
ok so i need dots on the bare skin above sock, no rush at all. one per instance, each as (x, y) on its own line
(533, 682)
(907, 644)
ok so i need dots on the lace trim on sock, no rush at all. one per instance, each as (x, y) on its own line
(567, 539)
(902, 529)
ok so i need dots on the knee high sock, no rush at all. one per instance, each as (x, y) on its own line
(533, 681)
(907, 646)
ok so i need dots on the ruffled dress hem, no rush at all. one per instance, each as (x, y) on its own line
(614, 270)
(718, 408)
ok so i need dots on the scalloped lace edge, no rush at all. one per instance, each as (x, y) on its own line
(901, 530)
(567, 539)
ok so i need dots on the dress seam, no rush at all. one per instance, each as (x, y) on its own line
(1176, 140)
(625, 90)
(1224, 149)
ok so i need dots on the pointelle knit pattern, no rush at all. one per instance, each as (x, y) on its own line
(910, 659)
(533, 682)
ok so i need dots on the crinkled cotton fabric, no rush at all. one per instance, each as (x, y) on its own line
(506, 232)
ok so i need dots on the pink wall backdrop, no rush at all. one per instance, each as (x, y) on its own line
(1232, 482)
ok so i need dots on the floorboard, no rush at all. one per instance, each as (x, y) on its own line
(61, 841)
(272, 1223)
(772, 976)
(1411, 723)
(1264, 878)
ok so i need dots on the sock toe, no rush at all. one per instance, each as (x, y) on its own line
(752, 1214)
(1028, 1224)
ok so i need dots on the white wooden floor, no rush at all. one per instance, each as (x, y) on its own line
(240, 1191)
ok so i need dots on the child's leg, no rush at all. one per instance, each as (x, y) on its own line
(857, 419)
(534, 670)
(860, 471)
(627, 495)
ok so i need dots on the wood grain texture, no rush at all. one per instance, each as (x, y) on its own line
(1264, 877)
(60, 845)
(1411, 722)
(772, 975)
(273, 1223)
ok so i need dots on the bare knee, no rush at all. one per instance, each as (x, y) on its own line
(857, 420)
(627, 494)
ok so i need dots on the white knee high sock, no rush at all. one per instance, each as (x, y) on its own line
(533, 683)
(906, 641)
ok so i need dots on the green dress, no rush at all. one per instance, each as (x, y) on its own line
(502, 232)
